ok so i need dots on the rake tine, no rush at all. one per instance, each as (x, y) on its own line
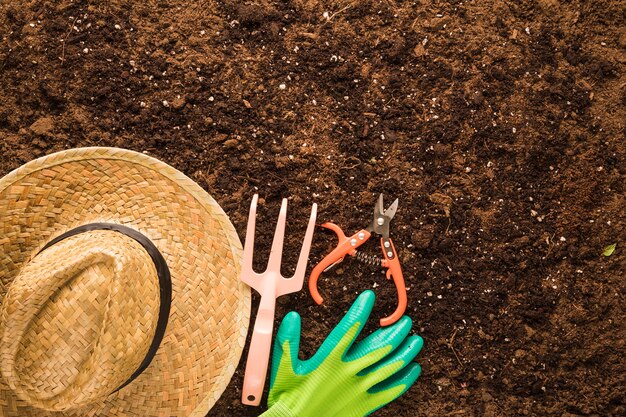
(276, 252)
(306, 245)
(248, 249)
(297, 280)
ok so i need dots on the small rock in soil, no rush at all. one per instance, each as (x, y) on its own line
(231, 143)
(42, 126)
(419, 50)
(178, 103)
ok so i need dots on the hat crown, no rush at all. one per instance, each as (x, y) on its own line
(78, 320)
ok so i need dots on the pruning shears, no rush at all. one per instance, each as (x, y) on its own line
(349, 246)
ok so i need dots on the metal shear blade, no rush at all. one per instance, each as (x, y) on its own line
(382, 217)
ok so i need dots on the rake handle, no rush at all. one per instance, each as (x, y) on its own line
(259, 353)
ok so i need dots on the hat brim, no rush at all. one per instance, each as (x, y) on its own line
(210, 306)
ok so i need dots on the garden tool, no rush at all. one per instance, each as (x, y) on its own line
(349, 245)
(343, 378)
(270, 285)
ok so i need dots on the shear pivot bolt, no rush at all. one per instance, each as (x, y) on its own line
(361, 236)
(380, 221)
(353, 242)
(387, 244)
(390, 254)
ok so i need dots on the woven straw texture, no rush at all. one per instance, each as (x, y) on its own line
(64, 343)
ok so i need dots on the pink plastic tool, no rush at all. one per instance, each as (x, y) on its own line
(271, 285)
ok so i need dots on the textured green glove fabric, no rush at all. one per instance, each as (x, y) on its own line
(343, 378)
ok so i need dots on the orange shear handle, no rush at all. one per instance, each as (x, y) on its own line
(392, 263)
(345, 246)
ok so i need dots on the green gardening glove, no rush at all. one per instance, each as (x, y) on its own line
(342, 379)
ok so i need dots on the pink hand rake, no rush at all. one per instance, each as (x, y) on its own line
(271, 285)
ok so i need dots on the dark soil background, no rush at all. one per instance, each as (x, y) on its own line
(499, 125)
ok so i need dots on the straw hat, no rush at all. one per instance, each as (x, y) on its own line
(119, 289)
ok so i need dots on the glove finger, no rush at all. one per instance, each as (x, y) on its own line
(288, 332)
(380, 343)
(390, 389)
(348, 329)
(393, 363)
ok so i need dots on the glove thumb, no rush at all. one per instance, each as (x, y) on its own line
(288, 337)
